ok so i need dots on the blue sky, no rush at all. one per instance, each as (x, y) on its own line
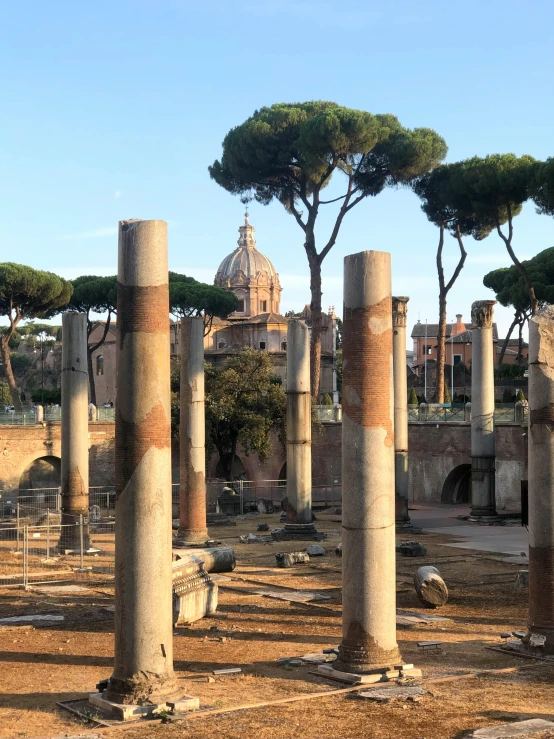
(114, 110)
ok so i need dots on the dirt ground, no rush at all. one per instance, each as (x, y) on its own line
(62, 661)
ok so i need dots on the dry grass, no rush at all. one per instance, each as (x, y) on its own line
(52, 663)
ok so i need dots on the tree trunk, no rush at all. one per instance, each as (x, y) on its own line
(441, 349)
(5, 349)
(507, 339)
(315, 345)
(92, 386)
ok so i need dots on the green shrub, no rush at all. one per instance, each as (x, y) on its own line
(327, 400)
(520, 395)
(412, 398)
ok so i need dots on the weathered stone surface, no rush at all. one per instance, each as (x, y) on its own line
(430, 587)
(195, 594)
(522, 579)
(368, 497)
(315, 550)
(522, 729)
(398, 693)
(192, 434)
(288, 559)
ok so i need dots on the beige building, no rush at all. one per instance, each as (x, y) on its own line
(257, 322)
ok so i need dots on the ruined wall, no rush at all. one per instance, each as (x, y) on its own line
(434, 451)
(20, 446)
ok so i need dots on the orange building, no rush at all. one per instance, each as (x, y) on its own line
(458, 344)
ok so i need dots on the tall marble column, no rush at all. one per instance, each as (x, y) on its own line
(192, 435)
(368, 525)
(299, 432)
(399, 320)
(541, 476)
(483, 503)
(74, 428)
(143, 669)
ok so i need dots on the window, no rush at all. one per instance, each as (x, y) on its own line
(99, 365)
(240, 307)
(457, 359)
(284, 346)
(427, 348)
(263, 306)
(262, 344)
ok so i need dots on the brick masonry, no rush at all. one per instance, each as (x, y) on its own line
(434, 453)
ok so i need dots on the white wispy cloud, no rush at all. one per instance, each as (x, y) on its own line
(96, 233)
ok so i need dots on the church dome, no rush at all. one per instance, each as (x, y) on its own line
(246, 258)
(251, 276)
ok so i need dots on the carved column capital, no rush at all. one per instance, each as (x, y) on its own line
(482, 312)
(399, 312)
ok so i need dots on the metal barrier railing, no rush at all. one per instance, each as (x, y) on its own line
(105, 414)
(30, 555)
(18, 419)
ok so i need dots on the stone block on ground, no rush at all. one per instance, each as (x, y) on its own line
(195, 594)
(522, 579)
(411, 549)
(397, 693)
(265, 505)
(288, 559)
(521, 729)
(315, 550)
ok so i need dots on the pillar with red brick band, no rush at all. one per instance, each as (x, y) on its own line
(541, 476)
(368, 506)
(483, 455)
(299, 429)
(192, 435)
(399, 321)
(143, 665)
(74, 433)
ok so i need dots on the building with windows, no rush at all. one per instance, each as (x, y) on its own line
(458, 345)
(257, 322)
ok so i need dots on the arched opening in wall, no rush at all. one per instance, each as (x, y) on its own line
(457, 486)
(238, 471)
(283, 473)
(44, 472)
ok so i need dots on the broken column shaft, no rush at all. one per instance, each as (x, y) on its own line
(299, 431)
(74, 428)
(368, 510)
(399, 320)
(143, 669)
(192, 435)
(541, 476)
(483, 502)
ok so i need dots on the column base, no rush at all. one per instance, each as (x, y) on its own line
(485, 517)
(142, 689)
(187, 538)
(129, 712)
(298, 532)
(363, 658)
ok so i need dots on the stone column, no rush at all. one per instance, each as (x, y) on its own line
(368, 526)
(74, 428)
(399, 320)
(299, 431)
(192, 435)
(541, 476)
(483, 503)
(143, 669)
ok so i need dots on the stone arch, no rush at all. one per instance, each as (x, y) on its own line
(457, 486)
(238, 469)
(42, 472)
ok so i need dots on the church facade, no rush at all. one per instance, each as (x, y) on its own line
(258, 322)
